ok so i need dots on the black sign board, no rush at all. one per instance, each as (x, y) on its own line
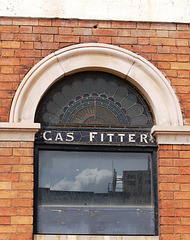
(94, 137)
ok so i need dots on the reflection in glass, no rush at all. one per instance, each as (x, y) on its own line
(94, 178)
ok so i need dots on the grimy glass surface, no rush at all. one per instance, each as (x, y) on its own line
(71, 178)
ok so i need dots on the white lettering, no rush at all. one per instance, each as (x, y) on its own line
(110, 135)
(144, 138)
(102, 137)
(131, 137)
(92, 135)
(121, 135)
(44, 136)
(69, 137)
(58, 137)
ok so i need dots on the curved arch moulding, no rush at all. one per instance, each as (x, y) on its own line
(102, 57)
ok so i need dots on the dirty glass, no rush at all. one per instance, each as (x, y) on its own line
(76, 178)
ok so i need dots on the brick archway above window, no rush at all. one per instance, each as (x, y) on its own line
(101, 57)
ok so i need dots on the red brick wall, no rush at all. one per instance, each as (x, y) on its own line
(16, 190)
(174, 192)
(24, 42)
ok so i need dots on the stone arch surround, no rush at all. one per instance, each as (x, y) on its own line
(146, 77)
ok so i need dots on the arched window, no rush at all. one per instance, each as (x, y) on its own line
(95, 159)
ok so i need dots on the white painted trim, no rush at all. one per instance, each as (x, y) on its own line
(93, 237)
(18, 131)
(123, 10)
(94, 56)
(171, 134)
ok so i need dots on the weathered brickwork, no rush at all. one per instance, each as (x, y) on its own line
(174, 192)
(16, 190)
(24, 42)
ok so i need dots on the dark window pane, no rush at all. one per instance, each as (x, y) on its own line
(94, 178)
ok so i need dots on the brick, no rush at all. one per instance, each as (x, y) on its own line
(179, 34)
(9, 44)
(164, 65)
(166, 195)
(182, 195)
(23, 152)
(167, 212)
(185, 203)
(26, 194)
(27, 37)
(168, 154)
(8, 53)
(25, 29)
(183, 212)
(107, 40)
(185, 221)
(8, 229)
(22, 185)
(5, 168)
(9, 61)
(27, 45)
(28, 53)
(22, 203)
(104, 24)
(26, 177)
(62, 38)
(166, 229)
(22, 236)
(5, 151)
(64, 23)
(164, 49)
(9, 176)
(185, 237)
(168, 170)
(25, 228)
(5, 220)
(88, 24)
(143, 33)
(171, 237)
(8, 194)
(25, 21)
(46, 45)
(9, 29)
(6, 21)
(169, 220)
(185, 170)
(48, 30)
(164, 57)
(123, 24)
(89, 39)
(182, 178)
(5, 185)
(163, 41)
(170, 204)
(182, 162)
(47, 38)
(82, 31)
(21, 220)
(25, 211)
(161, 26)
(182, 58)
(124, 40)
(182, 229)
(166, 178)
(162, 34)
(184, 154)
(7, 36)
(105, 32)
(143, 41)
(8, 211)
(5, 203)
(124, 32)
(45, 22)
(22, 168)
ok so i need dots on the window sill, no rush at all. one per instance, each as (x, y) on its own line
(93, 237)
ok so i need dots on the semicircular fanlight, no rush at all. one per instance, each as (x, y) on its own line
(93, 99)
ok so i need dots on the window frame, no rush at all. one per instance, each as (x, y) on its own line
(76, 147)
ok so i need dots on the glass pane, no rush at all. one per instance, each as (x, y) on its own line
(94, 178)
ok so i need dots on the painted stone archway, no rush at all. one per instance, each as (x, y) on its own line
(93, 56)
